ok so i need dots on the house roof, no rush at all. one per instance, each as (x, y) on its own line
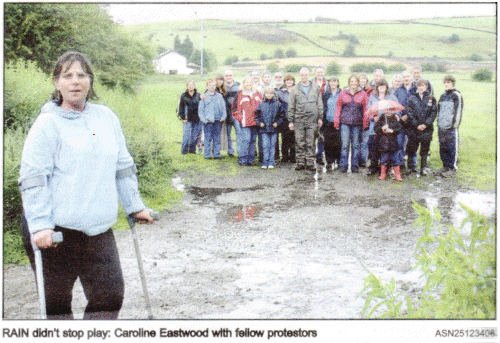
(166, 52)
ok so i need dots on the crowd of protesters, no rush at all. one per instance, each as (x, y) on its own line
(314, 122)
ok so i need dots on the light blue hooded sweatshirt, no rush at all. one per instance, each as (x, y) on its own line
(74, 167)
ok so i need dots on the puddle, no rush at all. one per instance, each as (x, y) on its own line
(454, 214)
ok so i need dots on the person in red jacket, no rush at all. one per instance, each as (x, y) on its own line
(351, 119)
(244, 106)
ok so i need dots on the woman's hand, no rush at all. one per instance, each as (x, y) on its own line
(290, 126)
(43, 239)
(144, 216)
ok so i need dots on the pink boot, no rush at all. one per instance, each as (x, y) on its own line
(397, 173)
(383, 172)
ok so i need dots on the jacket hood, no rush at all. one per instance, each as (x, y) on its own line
(51, 107)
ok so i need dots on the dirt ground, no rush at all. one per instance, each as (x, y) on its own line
(270, 244)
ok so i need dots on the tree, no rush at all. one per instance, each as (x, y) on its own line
(41, 32)
(278, 53)
(333, 68)
(209, 59)
(349, 51)
(187, 47)
(290, 53)
(177, 44)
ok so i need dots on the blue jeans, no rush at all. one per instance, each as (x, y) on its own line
(364, 153)
(237, 130)
(247, 145)
(191, 131)
(212, 139)
(230, 148)
(268, 147)
(349, 136)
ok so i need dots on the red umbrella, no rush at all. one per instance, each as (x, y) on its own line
(384, 105)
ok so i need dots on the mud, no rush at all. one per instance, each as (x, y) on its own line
(271, 244)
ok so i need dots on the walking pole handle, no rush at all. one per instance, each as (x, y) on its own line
(56, 237)
(132, 221)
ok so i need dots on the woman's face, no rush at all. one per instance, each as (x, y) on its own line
(266, 78)
(74, 85)
(396, 83)
(353, 83)
(289, 83)
(363, 81)
(269, 95)
(248, 84)
(333, 84)
(382, 89)
(191, 86)
(219, 82)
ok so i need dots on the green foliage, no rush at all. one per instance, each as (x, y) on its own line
(230, 60)
(263, 57)
(333, 68)
(209, 60)
(395, 68)
(13, 248)
(293, 68)
(290, 53)
(185, 48)
(350, 51)
(460, 272)
(272, 67)
(278, 53)
(483, 74)
(454, 38)
(41, 32)
(368, 67)
(475, 57)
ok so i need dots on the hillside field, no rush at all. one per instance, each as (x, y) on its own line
(409, 39)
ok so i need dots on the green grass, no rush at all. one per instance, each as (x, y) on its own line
(410, 39)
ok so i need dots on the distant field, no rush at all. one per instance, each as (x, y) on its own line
(421, 38)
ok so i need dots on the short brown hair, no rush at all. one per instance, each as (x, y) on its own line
(65, 61)
(449, 78)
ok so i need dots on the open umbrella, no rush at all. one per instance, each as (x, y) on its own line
(383, 105)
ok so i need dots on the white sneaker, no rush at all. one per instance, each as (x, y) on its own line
(270, 167)
(264, 167)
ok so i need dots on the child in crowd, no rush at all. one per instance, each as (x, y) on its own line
(449, 115)
(388, 127)
(268, 116)
(212, 112)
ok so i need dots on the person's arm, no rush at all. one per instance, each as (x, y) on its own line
(126, 179)
(37, 166)
(433, 113)
(338, 111)
(181, 109)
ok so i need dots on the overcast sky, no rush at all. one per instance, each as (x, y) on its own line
(139, 13)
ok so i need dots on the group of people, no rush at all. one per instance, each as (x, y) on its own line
(367, 124)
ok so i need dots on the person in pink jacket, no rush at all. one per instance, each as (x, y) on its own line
(350, 118)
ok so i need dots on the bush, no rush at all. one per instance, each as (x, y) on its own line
(349, 51)
(333, 68)
(293, 68)
(230, 60)
(454, 38)
(475, 57)
(441, 68)
(460, 273)
(263, 57)
(272, 67)
(290, 53)
(278, 53)
(483, 74)
(428, 67)
(368, 67)
(396, 68)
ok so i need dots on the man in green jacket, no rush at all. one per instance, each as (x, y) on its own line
(305, 114)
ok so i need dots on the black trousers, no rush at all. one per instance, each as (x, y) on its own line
(93, 259)
(332, 143)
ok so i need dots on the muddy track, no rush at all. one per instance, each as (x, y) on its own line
(275, 244)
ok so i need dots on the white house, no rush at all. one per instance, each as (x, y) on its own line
(171, 62)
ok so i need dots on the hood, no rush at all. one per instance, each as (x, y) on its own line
(51, 107)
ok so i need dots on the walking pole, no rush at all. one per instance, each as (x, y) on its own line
(56, 238)
(132, 221)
